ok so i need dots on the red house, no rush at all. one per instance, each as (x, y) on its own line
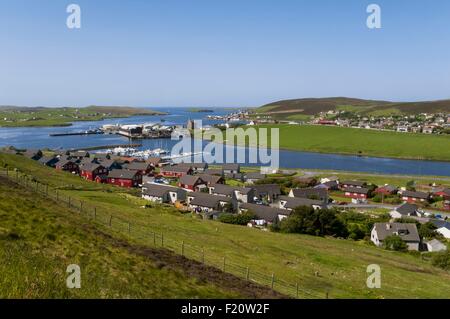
(92, 170)
(141, 167)
(447, 203)
(354, 192)
(192, 183)
(444, 192)
(176, 171)
(67, 165)
(386, 190)
(124, 178)
(413, 197)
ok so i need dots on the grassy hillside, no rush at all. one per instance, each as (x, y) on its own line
(317, 264)
(11, 116)
(292, 109)
(338, 140)
(39, 239)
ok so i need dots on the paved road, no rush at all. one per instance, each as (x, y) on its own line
(386, 206)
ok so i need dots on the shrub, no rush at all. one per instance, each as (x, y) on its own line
(441, 260)
(394, 242)
(236, 219)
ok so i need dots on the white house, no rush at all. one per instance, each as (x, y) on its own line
(407, 232)
(406, 210)
(442, 227)
(162, 193)
(435, 246)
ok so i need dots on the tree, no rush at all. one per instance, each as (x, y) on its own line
(394, 242)
(307, 220)
(237, 219)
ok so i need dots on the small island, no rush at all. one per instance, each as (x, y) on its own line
(16, 116)
(200, 110)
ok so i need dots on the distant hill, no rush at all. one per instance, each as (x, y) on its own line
(312, 106)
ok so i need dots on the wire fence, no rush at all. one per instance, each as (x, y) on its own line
(160, 240)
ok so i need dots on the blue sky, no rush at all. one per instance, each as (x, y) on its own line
(221, 53)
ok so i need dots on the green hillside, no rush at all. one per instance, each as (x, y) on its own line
(316, 264)
(39, 239)
(290, 109)
(14, 116)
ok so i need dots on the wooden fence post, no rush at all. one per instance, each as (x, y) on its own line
(223, 267)
(247, 274)
(273, 280)
(110, 221)
(129, 227)
(95, 213)
(296, 289)
(162, 239)
(203, 255)
(68, 202)
(81, 206)
(182, 248)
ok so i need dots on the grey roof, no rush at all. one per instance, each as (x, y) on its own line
(65, 161)
(122, 173)
(176, 168)
(407, 209)
(229, 190)
(210, 179)
(79, 153)
(207, 200)
(190, 180)
(158, 190)
(269, 214)
(47, 159)
(294, 202)
(357, 190)
(320, 193)
(439, 223)
(234, 175)
(436, 245)
(408, 232)
(91, 167)
(137, 166)
(271, 189)
(198, 165)
(415, 194)
(87, 160)
(231, 166)
(108, 163)
(32, 153)
(354, 183)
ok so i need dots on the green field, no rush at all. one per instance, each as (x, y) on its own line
(316, 264)
(44, 116)
(337, 140)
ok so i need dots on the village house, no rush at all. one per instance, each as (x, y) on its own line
(442, 227)
(67, 165)
(214, 171)
(142, 167)
(329, 185)
(204, 203)
(356, 192)
(124, 178)
(49, 161)
(79, 154)
(110, 164)
(91, 171)
(198, 167)
(412, 197)
(290, 203)
(155, 161)
(85, 160)
(212, 180)
(33, 154)
(253, 177)
(267, 192)
(406, 210)
(231, 168)
(354, 184)
(264, 215)
(242, 194)
(162, 193)
(192, 183)
(442, 192)
(175, 171)
(320, 194)
(407, 232)
(386, 190)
